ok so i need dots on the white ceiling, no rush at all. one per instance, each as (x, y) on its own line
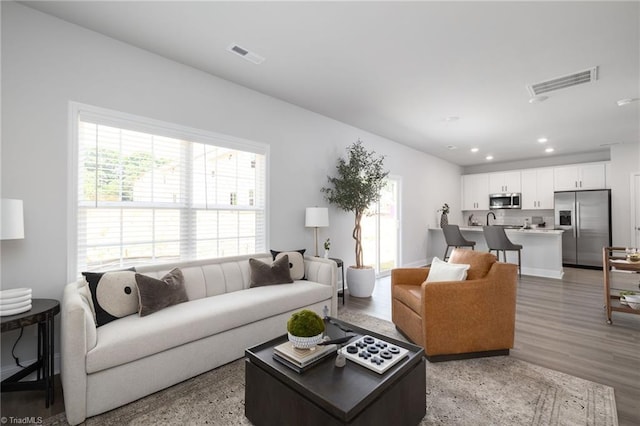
(399, 69)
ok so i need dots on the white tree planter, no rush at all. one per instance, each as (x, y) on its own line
(361, 281)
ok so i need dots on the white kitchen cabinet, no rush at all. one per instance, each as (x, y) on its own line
(579, 176)
(592, 176)
(537, 189)
(475, 192)
(504, 182)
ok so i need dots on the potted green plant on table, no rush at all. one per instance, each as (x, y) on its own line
(327, 247)
(305, 329)
(360, 178)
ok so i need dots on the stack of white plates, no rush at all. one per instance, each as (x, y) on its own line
(15, 301)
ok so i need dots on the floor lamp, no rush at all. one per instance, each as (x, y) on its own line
(316, 217)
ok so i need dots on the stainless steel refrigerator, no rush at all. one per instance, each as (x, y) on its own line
(585, 217)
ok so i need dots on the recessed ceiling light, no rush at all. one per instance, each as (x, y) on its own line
(548, 150)
(451, 119)
(627, 101)
(489, 157)
(538, 99)
(474, 149)
(542, 140)
(452, 147)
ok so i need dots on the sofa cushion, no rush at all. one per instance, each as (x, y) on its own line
(134, 337)
(296, 262)
(480, 262)
(114, 294)
(209, 277)
(155, 295)
(270, 274)
(443, 271)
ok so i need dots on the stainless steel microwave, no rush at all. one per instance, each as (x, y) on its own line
(505, 201)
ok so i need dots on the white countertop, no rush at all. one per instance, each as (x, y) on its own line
(544, 231)
(541, 248)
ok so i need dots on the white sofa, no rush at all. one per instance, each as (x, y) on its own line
(131, 357)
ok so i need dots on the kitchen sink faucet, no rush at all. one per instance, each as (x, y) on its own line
(494, 217)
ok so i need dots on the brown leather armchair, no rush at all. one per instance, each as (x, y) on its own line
(458, 319)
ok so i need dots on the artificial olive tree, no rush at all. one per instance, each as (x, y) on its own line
(358, 183)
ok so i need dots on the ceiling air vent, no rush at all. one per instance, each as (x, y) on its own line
(244, 53)
(586, 76)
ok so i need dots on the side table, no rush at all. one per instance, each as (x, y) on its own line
(340, 264)
(42, 313)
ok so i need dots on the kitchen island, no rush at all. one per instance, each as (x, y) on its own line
(541, 248)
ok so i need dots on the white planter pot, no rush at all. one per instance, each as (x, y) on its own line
(305, 342)
(361, 281)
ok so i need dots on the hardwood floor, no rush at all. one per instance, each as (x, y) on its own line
(561, 324)
(30, 404)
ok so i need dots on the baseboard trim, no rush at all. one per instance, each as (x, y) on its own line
(10, 370)
(416, 264)
(469, 355)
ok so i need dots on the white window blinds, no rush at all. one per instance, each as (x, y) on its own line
(149, 193)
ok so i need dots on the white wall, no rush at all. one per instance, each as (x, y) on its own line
(47, 62)
(624, 162)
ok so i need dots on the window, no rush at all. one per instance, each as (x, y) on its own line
(151, 192)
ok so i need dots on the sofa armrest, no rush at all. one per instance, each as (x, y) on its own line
(409, 276)
(77, 337)
(479, 313)
(323, 271)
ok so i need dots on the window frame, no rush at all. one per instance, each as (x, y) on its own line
(147, 125)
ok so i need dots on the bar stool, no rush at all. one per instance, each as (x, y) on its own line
(497, 240)
(454, 238)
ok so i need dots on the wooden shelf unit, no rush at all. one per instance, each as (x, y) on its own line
(614, 258)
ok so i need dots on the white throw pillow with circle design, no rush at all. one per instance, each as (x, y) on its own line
(296, 262)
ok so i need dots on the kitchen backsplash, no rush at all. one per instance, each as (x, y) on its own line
(510, 217)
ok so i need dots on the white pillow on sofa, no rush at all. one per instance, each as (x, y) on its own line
(443, 271)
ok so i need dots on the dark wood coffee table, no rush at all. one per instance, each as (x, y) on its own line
(329, 395)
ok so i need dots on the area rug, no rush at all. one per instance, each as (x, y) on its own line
(483, 391)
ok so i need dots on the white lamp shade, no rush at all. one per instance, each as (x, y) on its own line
(316, 217)
(12, 220)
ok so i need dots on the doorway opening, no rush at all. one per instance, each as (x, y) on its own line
(381, 230)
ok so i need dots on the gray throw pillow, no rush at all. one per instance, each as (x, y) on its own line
(159, 294)
(262, 274)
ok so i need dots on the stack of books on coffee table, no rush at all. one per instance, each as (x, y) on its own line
(301, 359)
